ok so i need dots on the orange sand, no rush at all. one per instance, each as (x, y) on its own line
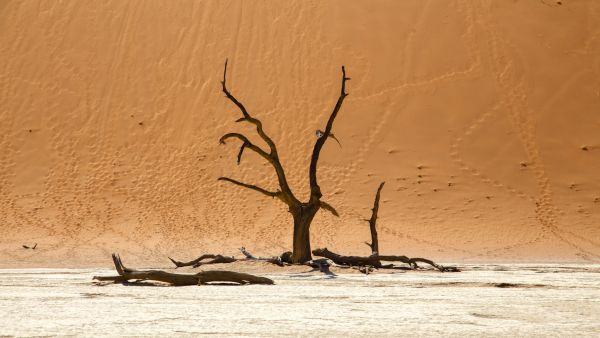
(483, 117)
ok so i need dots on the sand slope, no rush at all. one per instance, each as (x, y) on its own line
(483, 117)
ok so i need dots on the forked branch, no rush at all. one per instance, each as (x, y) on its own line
(272, 156)
(315, 190)
(247, 117)
(246, 144)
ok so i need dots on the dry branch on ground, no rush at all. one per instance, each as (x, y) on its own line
(281, 260)
(204, 277)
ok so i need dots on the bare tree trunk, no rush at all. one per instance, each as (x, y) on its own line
(303, 216)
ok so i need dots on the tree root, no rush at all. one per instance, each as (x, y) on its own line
(200, 278)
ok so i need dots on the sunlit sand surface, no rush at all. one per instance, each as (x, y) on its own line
(481, 116)
(515, 300)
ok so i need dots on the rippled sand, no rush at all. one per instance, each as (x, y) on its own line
(492, 300)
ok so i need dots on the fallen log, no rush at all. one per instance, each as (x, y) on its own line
(347, 260)
(215, 259)
(375, 261)
(413, 262)
(200, 278)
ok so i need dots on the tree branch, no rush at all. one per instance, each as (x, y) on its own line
(246, 144)
(250, 186)
(204, 277)
(231, 97)
(273, 156)
(215, 259)
(247, 116)
(315, 190)
(373, 223)
(329, 208)
(239, 157)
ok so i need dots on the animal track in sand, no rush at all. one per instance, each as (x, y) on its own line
(515, 101)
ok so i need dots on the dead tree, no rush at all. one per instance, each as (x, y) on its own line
(375, 259)
(178, 279)
(302, 212)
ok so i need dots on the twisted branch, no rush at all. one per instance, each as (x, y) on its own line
(272, 156)
(215, 259)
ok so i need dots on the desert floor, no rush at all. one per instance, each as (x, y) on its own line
(540, 301)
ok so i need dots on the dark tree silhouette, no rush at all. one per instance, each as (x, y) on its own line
(302, 212)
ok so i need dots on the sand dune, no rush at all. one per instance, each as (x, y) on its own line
(483, 117)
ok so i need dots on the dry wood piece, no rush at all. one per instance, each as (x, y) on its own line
(365, 263)
(348, 260)
(277, 260)
(302, 212)
(204, 277)
(321, 264)
(215, 259)
(374, 245)
(375, 261)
